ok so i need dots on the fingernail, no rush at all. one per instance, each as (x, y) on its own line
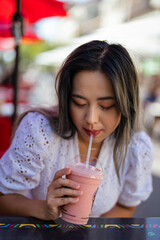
(68, 170)
(77, 185)
(79, 192)
(75, 199)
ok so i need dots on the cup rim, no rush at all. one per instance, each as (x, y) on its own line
(97, 166)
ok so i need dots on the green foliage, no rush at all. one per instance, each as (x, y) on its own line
(29, 51)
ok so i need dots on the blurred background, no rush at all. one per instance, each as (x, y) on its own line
(30, 58)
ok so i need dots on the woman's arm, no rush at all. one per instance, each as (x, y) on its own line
(120, 211)
(19, 205)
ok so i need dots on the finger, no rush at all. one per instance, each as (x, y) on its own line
(64, 182)
(62, 172)
(58, 202)
(61, 192)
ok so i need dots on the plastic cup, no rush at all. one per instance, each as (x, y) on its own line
(89, 179)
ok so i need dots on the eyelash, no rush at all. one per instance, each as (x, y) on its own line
(77, 104)
(107, 108)
(103, 108)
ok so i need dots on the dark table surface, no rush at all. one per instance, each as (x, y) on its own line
(16, 228)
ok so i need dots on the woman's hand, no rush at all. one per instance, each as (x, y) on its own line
(61, 191)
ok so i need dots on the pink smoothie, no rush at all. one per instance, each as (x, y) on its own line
(89, 180)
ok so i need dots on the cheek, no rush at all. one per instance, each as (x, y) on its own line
(113, 120)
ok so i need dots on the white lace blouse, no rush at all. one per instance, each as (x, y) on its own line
(36, 153)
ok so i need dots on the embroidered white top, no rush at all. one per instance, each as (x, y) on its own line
(36, 153)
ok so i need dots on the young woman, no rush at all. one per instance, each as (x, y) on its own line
(98, 94)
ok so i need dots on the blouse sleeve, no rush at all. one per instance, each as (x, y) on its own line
(137, 185)
(21, 165)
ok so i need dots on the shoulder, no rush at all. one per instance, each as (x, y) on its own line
(35, 126)
(141, 149)
(32, 116)
(34, 136)
(35, 120)
(140, 140)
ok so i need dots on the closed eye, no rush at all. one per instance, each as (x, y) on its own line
(107, 108)
(78, 104)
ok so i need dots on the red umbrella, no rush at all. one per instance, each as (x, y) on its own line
(32, 10)
(15, 12)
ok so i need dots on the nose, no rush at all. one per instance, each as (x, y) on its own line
(92, 116)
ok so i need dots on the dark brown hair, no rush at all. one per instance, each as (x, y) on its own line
(115, 62)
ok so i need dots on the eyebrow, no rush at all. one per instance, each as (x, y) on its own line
(101, 98)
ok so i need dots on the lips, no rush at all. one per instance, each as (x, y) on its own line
(93, 132)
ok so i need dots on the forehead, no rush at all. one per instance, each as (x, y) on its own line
(94, 82)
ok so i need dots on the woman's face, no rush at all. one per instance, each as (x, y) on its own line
(92, 106)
